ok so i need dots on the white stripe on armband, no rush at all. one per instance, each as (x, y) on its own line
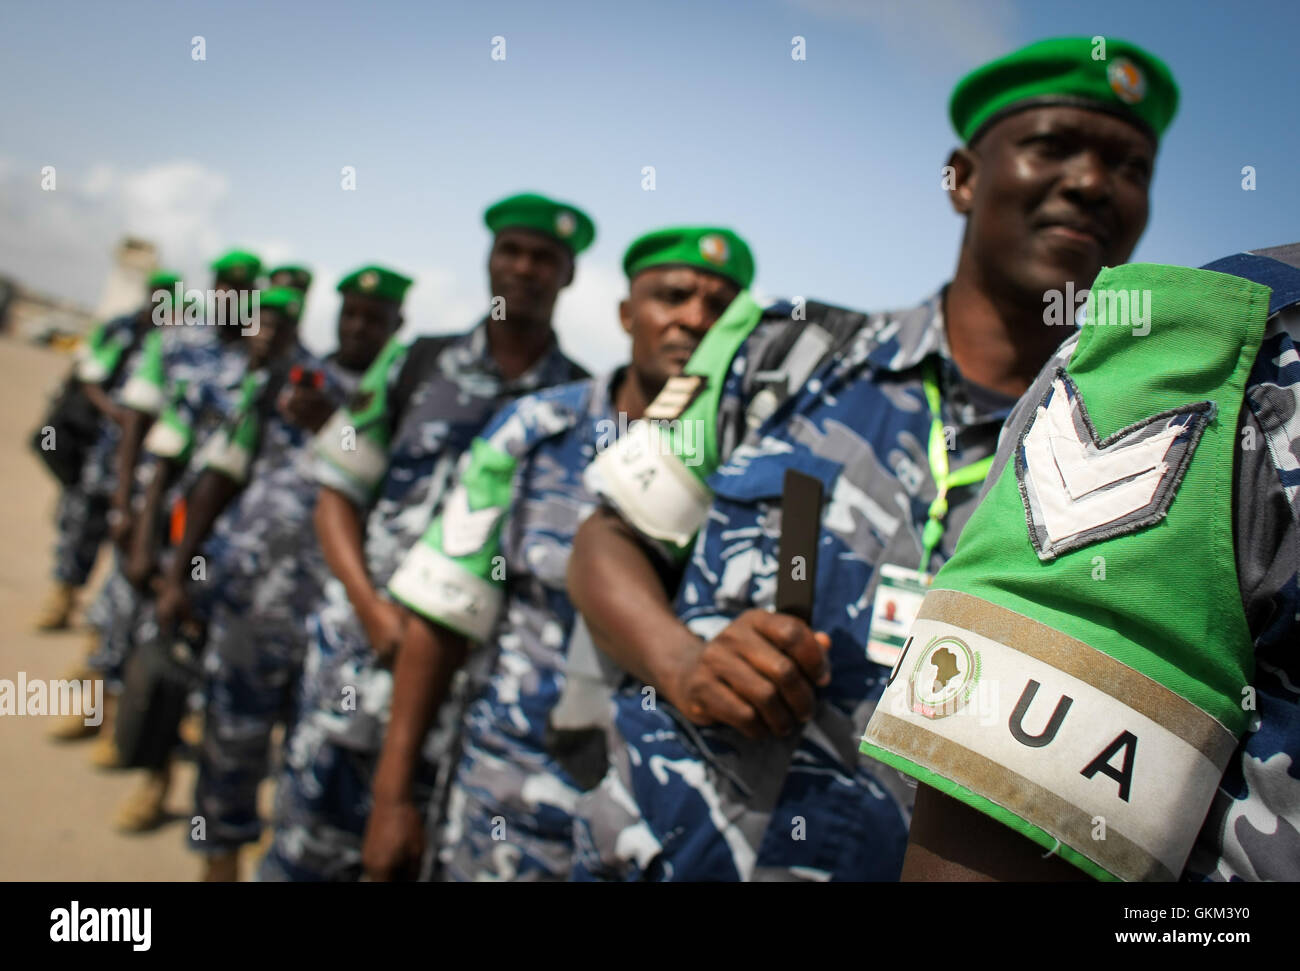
(342, 446)
(1078, 745)
(165, 441)
(443, 591)
(91, 370)
(651, 487)
(142, 395)
(225, 456)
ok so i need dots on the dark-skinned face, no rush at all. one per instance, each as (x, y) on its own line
(667, 312)
(1052, 195)
(221, 285)
(528, 270)
(274, 336)
(283, 280)
(365, 325)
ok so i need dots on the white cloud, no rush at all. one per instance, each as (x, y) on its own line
(974, 32)
(61, 242)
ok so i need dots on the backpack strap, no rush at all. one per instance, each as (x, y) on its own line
(791, 357)
(421, 358)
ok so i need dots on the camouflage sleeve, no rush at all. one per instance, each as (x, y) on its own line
(230, 449)
(98, 355)
(351, 449)
(655, 475)
(145, 386)
(452, 575)
(171, 436)
(1027, 682)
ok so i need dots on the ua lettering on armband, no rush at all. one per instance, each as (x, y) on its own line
(142, 395)
(166, 440)
(226, 456)
(344, 448)
(650, 486)
(440, 589)
(1050, 736)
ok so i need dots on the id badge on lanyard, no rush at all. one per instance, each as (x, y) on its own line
(901, 589)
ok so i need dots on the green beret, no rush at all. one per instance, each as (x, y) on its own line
(559, 220)
(162, 280)
(300, 275)
(376, 281)
(237, 266)
(709, 248)
(1128, 82)
(282, 298)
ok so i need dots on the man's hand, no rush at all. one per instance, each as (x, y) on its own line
(172, 603)
(305, 407)
(383, 621)
(394, 841)
(757, 676)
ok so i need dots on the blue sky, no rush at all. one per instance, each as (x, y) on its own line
(828, 166)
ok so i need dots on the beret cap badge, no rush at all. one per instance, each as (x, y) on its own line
(714, 249)
(1126, 80)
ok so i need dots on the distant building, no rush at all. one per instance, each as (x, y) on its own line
(46, 319)
(134, 260)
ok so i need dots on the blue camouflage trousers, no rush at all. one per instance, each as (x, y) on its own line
(81, 521)
(251, 673)
(681, 803)
(510, 804)
(323, 798)
(114, 615)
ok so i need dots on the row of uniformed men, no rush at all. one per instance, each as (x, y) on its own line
(648, 570)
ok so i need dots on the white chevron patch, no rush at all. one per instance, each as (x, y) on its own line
(465, 530)
(1078, 490)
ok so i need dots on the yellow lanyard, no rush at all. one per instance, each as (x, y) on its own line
(943, 478)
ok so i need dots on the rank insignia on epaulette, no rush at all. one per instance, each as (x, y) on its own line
(676, 396)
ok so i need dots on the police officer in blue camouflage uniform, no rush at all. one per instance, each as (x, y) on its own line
(273, 570)
(384, 464)
(181, 356)
(201, 367)
(491, 570)
(1252, 828)
(734, 753)
(109, 356)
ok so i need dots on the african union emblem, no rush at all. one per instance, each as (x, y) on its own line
(714, 248)
(943, 678)
(565, 223)
(1126, 80)
(368, 280)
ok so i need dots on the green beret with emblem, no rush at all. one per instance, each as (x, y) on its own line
(285, 299)
(559, 220)
(376, 281)
(162, 280)
(237, 266)
(709, 248)
(299, 276)
(1101, 73)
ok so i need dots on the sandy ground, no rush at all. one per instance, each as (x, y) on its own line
(55, 810)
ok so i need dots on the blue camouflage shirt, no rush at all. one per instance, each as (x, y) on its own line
(805, 806)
